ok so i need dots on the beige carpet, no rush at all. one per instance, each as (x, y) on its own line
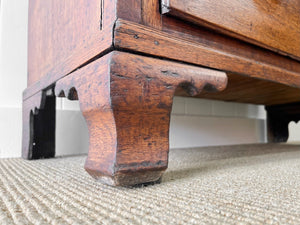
(249, 184)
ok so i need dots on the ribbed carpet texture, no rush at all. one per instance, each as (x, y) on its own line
(243, 184)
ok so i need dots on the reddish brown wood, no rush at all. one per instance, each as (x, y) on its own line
(178, 29)
(126, 100)
(39, 126)
(271, 24)
(64, 35)
(136, 37)
(194, 44)
(255, 91)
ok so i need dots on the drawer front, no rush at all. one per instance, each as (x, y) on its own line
(273, 24)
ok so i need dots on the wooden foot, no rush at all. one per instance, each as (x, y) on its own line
(38, 139)
(126, 100)
(278, 119)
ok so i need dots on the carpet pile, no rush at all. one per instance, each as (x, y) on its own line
(242, 184)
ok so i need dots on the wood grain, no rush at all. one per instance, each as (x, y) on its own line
(63, 35)
(203, 36)
(269, 23)
(126, 100)
(150, 14)
(255, 91)
(138, 38)
(130, 10)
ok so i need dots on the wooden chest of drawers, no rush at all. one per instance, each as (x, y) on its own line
(124, 60)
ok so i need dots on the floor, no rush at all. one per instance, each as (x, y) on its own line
(245, 184)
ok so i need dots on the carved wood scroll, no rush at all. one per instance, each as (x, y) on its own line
(126, 100)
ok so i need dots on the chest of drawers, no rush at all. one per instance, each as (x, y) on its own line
(124, 60)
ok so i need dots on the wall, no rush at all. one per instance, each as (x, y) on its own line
(13, 67)
(194, 122)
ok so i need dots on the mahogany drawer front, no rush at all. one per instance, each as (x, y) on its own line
(274, 24)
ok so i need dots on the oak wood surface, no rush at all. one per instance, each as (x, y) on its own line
(151, 15)
(203, 36)
(63, 35)
(131, 10)
(269, 23)
(138, 38)
(194, 44)
(255, 91)
(126, 100)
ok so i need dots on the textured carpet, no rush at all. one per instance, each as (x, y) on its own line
(245, 184)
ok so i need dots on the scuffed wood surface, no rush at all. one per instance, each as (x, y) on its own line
(126, 100)
(64, 35)
(136, 37)
(255, 91)
(271, 24)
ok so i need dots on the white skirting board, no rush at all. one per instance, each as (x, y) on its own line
(185, 131)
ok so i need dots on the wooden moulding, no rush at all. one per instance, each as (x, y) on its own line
(126, 100)
(278, 119)
(64, 36)
(208, 50)
(270, 24)
(141, 39)
(38, 139)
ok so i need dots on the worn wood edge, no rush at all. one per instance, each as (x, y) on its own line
(112, 44)
(160, 73)
(128, 179)
(193, 79)
(114, 175)
(94, 76)
(146, 40)
(167, 9)
(200, 78)
(120, 173)
(253, 91)
(104, 45)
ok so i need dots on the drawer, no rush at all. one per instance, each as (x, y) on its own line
(273, 24)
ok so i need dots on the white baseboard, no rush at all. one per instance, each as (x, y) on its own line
(294, 132)
(185, 131)
(195, 131)
(10, 131)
